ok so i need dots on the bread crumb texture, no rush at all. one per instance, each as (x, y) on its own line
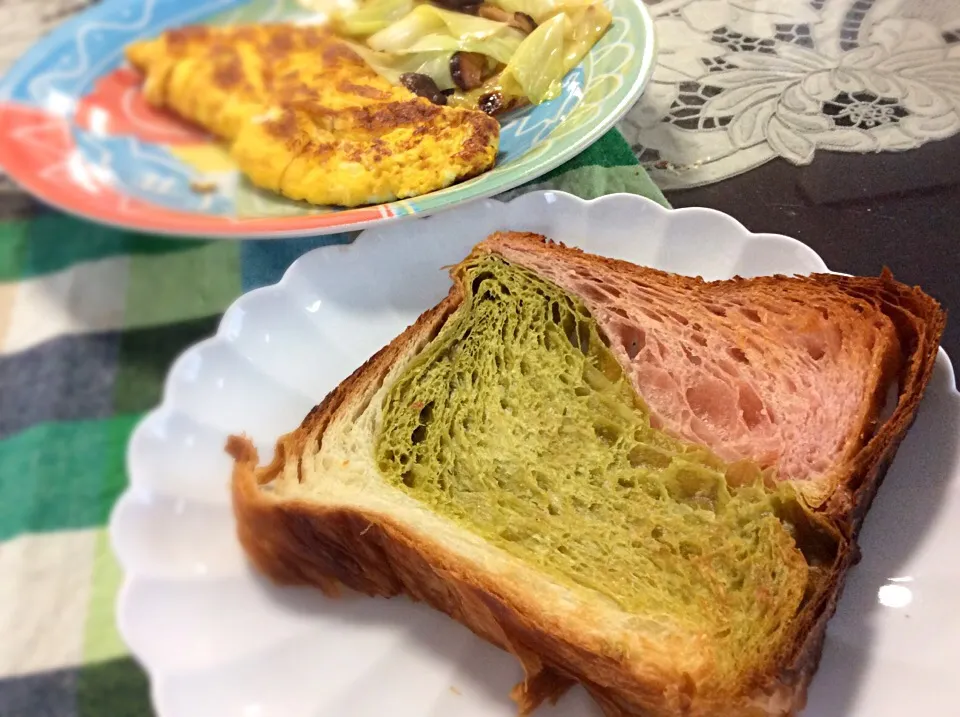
(518, 423)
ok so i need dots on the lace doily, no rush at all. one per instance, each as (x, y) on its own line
(740, 82)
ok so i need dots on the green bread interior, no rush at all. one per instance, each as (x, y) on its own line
(517, 423)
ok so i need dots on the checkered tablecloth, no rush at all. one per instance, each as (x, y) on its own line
(90, 320)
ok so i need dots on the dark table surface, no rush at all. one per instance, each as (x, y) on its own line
(860, 213)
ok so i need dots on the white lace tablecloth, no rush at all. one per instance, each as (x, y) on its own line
(741, 82)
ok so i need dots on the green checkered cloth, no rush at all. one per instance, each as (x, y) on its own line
(90, 320)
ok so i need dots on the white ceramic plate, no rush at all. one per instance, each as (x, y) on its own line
(218, 641)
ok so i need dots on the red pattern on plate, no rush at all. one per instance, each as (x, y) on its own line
(116, 106)
(38, 152)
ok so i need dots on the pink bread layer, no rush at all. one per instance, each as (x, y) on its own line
(694, 351)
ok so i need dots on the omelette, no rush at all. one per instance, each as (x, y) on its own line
(304, 116)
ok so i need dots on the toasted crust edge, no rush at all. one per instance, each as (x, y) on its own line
(301, 543)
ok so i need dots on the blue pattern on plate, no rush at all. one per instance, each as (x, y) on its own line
(66, 63)
(523, 129)
(149, 172)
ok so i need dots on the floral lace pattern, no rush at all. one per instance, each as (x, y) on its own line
(741, 82)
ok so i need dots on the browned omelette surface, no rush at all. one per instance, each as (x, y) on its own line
(307, 118)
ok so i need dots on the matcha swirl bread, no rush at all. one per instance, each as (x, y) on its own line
(641, 482)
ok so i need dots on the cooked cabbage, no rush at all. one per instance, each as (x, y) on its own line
(423, 38)
(500, 46)
(368, 17)
(536, 68)
(586, 27)
(390, 66)
(427, 20)
(543, 59)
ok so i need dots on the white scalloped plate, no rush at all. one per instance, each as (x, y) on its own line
(218, 641)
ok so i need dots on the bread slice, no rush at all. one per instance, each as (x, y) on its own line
(644, 483)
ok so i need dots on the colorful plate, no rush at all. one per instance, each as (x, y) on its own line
(219, 641)
(75, 132)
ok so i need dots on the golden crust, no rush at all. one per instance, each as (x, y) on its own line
(328, 546)
(308, 118)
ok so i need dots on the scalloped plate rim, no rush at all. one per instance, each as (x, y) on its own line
(367, 241)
